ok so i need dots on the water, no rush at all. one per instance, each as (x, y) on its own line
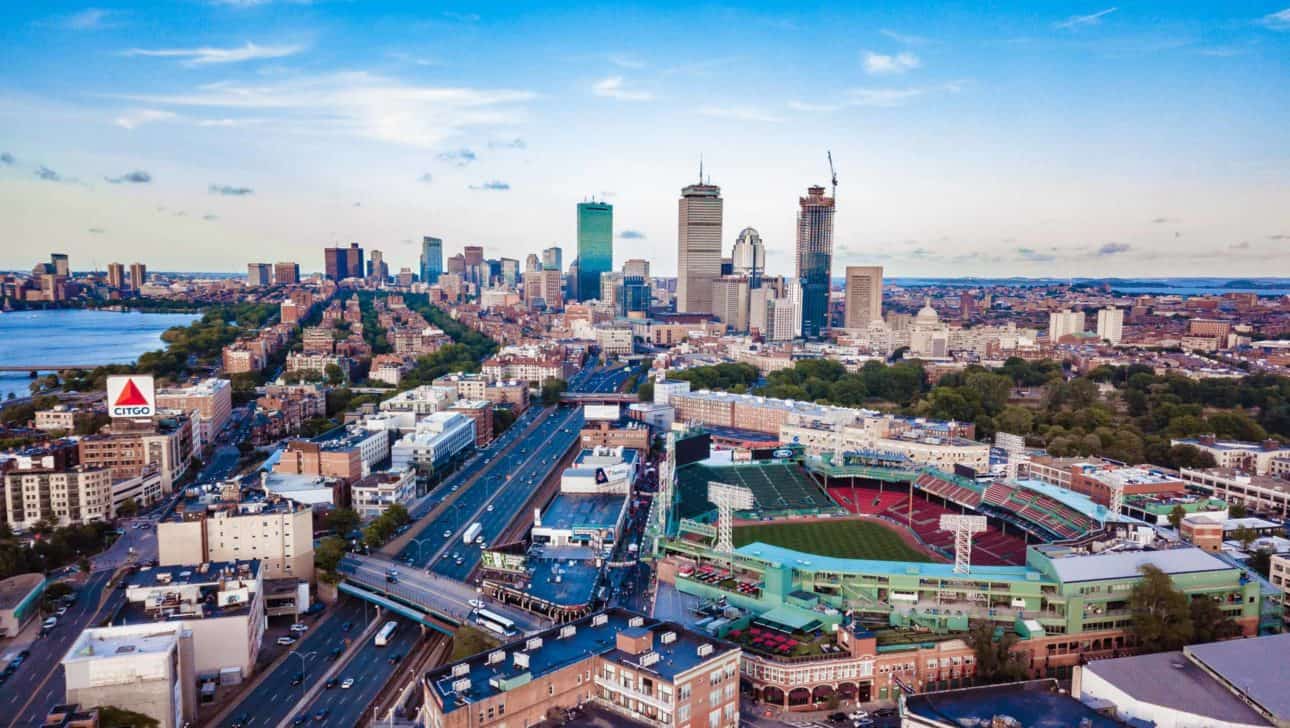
(77, 337)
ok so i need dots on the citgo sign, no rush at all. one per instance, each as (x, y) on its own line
(131, 396)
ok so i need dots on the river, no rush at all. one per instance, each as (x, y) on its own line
(77, 337)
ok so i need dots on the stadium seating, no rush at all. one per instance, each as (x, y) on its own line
(776, 487)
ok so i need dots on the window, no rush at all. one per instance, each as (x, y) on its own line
(714, 697)
(683, 693)
(682, 714)
(714, 719)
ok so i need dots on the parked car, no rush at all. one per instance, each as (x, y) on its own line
(286, 641)
(50, 623)
(299, 627)
(476, 603)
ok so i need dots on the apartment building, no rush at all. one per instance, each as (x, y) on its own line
(129, 450)
(436, 439)
(147, 668)
(348, 454)
(372, 495)
(481, 412)
(208, 403)
(62, 419)
(47, 487)
(277, 532)
(220, 602)
(423, 400)
(647, 671)
(1255, 458)
(1262, 493)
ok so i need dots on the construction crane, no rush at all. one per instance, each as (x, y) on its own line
(834, 174)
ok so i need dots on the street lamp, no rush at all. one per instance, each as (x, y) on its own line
(302, 656)
(419, 542)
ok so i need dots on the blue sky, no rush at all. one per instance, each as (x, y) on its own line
(1029, 138)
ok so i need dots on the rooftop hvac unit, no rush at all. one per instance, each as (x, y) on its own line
(568, 630)
(533, 643)
(461, 686)
(705, 650)
(460, 669)
(599, 620)
(649, 658)
(496, 656)
(668, 638)
(636, 622)
(521, 660)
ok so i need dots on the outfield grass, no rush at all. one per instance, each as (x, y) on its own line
(843, 539)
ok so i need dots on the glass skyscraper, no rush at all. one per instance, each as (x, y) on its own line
(815, 259)
(431, 259)
(595, 246)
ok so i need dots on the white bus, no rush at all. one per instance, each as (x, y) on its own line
(495, 622)
(383, 637)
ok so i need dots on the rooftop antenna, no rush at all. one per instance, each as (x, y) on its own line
(834, 174)
(700, 167)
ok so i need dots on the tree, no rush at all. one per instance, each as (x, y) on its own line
(1209, 623)
(503, 418)
(1015, 420)
(646, 391)
(1261, 562)
(114, 717)
(552, 389)
(1237, 509)
(1189, 456)
(335, 375)
(329, 553)
(1246, 536)
(996, 660)
(1176, 516)
(129, 508)
(85, 565)
(1161, 613)
(992, 390)
(342, 521)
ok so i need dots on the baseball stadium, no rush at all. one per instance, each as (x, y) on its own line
(838, 579)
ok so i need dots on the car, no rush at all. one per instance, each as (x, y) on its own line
(445, 556)
(346, 626)
(297, 678)
(859, 714)
(299, 627)
(349, 683)
(490, 507)
(331, 683)
(241, 720)
(316, 608)
(394, 658)
(321, 715)
(61, 611)
(476, 603)
(286, 641)
(50, 623)
(392, 578)
(459, 561)
(886, 713)
(838, 717)
(335, 653)
(300, 719)
(862, 723)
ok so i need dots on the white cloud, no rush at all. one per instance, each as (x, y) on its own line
(1280, 20)
(229, 123)
(623, 60)
(884, 98)
(1075, 22)
(740, 113)
(877, 64)
(139, 117)
(905, 38)
(613, 88)
(207, 56)
(359, 104)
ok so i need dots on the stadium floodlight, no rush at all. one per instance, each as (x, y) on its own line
(1015, 447)
(963, 527)
(728, 499)
(1116, 500)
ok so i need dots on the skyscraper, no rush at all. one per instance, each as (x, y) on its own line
(532, 263)
(138, 275)
(967, 306)
(636, 267)
(595, 246)
(61, 266)
(259, 275)
(431, 259)
(1063, 323)
(863, 295)
(553, 258)
(1110, 324)
(342, 263)
(730, 301)
(698, 246)
(510, 272)
(377, 270)
(116, 276)
(476, 268)
(286, 273)
(634, 297)
(815, 259)
(749, 255)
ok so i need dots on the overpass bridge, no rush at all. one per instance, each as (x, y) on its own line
(599, 398)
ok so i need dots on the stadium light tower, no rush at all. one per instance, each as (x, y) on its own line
(963, 527)
(1116, 499)
(728, 499)
(1015, 447)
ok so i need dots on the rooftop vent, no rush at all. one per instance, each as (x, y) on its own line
(636, 622)
(496, 656)
(533, 643)
(125, 649)
(599, 620)
(649, 658)
(568, 630)
(521, 660)
(460, 669)
(705, 650)
(461, 686)
(668, 638)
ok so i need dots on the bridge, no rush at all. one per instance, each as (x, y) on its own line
(599, 398)
(50, 367)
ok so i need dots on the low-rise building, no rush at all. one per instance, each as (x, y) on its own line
(627, 433)
(373, 494)
(423, 400)
(1254, 458)
(1262, 493)
(49, 487)
(62, 419)
(481, 412)
(207, 527)
(20, 600)
(1030, 703)
(148, 668)
(209, 404)
(436, 439)
(646, 671)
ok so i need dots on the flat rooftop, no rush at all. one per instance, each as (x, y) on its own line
(556, 653)
(190, 574)
(584, 510)
(1258, 667)
(123, 641)
(1077, 502)
(16, 588)
(1035, 704)
(1129, 476)
(1125, 564)
(576, 585)
(1170, 679)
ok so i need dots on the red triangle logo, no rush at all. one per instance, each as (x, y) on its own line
(130, 396)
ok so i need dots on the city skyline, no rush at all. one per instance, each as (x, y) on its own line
(1155, 148)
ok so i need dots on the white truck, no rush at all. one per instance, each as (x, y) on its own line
(472, 533)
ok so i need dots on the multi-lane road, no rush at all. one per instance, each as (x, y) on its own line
(370, 668)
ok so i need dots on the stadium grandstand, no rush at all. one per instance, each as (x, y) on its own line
(778, 488)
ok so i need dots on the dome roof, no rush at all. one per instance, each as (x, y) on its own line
(927, 315)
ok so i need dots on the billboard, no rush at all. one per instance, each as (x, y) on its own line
(131, 396)
(693, 449)
(606, 412)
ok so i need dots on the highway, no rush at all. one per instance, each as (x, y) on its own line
(370, 668)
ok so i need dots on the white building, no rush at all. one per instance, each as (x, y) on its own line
(1255, 458)
(614, 339)
(278, 533)
(1064, 322)
(1110, 324)
(665, 389)
(372, 495)
(146, 668)
(423, 400)
(435, 439)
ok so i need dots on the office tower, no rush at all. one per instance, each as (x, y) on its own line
(476, 269)
(636, 267)
(698, 246)
(431, 259)
(730, 301)
(259, 275)
(542, 289)
(138, 275)
(457, 265)
(967, 306)
(595, 246)
(342, 263)
(286, 273)
(571, 282)
(553, 258)
(404, 277)
(749, 255)
(634, 297)
(510, 272)
(863, 295)
(815, 259)
(1110, 324)
(727, 266)
(377, 269)
(1063, 323)
(532, 263)
(116, 276)
(782, 319)
(610, 285)
(61, 267)
(794, 293)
